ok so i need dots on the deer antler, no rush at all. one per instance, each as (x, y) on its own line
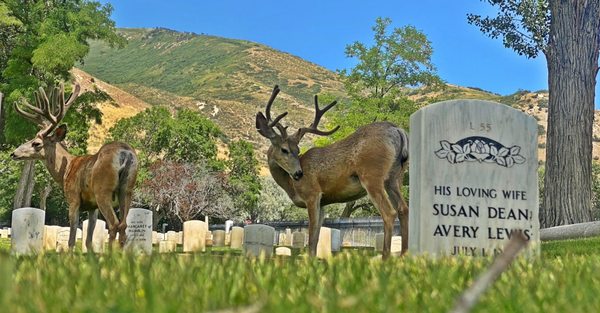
(313, 128)
(267, 128)
(48, 111)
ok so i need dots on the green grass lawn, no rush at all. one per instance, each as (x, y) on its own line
(566, 278)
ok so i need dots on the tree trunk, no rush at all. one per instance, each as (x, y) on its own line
(44, 196)
(25, 188)
(572, 57)
(349, 208)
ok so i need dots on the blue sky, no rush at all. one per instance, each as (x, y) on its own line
(318, 31)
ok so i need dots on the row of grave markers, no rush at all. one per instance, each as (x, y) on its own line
(473, 184)
(30, 235)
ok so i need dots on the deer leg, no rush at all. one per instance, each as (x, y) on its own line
(392, 187)
(105, 207)
(378, 195)
(124, 205)
(92, 218)
(73, 223)
(314, 224)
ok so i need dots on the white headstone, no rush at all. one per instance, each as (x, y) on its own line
(156, 237)
(237, 237)
(396, 245)
(62, 239)
(172, 236)
(298, 240)
(281, 239)
(79, 234)
(167, 246)
(324, 244)
(336, 240)
(218, 238)
(27, 231)
(228, 225)
(139, 231)
(180, 238)
(473, 178)
(258, 240)
(4, 233)
(284, 251)
(50, 237)
(99, 237)
(194, 236)
(379, 242)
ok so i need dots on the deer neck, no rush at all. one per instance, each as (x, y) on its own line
(282, 178)
(57, 161)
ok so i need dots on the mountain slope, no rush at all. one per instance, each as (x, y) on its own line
(228, 80)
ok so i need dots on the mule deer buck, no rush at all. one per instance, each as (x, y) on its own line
(371, 161)
(102, 181)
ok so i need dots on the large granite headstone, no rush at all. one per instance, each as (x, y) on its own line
(139, 231)
(258, 240)
(194, 236)
(473, 178)
(27, 231)
(99, 237)
(237, 237)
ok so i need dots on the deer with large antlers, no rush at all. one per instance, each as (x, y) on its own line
(371, 161)
(101, 181)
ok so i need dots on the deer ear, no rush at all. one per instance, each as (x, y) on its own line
(60, 133)
(262, 126)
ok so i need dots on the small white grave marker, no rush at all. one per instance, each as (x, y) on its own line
(218, 238)
(258, 240)
(62, 239)
(194, 236)
(27, 231)
(50, 237)
(324, 244)
(139, 231)
(99, 237)
(237, 237)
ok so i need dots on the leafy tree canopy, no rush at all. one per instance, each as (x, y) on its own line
(523, 25)
(399, 58)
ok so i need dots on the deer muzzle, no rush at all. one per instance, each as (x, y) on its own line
(297, 175)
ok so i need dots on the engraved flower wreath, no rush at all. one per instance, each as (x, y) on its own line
(480, 149)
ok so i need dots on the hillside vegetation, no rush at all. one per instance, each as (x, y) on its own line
(230, 80)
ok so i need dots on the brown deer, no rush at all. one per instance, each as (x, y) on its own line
(102, 181)
(371, 161)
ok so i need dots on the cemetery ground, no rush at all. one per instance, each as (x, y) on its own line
(564, 279)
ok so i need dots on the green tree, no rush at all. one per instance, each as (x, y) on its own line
(156, 134)
(41, 43)
(398, 59)
(244, 179)
(568, 34)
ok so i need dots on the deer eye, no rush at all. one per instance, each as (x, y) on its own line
(36, 144)
(284, 151)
